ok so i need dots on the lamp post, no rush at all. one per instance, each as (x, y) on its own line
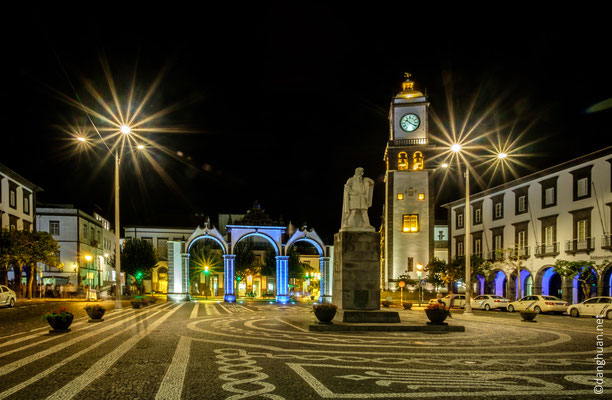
(419, 273)
(456, 148)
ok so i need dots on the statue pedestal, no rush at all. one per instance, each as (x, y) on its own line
(356, 270)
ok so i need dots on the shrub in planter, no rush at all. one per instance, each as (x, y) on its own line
(386, 304)
(407, 305)
(145, 302)
(325, 312)
(60, 320)
(528, 316)
(136, 303)
(437, 313)
(152, 299)
(95, 311)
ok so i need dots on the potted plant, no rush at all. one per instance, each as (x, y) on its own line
(152, 299)
(437, 313)
(95, 312)
(407, 305)
(386, 303)
(136, 303)
(59, 320)
(145, 301)
(325, 312)
(528, 315)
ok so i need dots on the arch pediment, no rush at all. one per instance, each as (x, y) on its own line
(207, 233)
(309, 236)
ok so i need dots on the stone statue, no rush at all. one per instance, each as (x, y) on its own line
(357, 199)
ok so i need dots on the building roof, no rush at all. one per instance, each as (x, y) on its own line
(16, 177)
(536, 175)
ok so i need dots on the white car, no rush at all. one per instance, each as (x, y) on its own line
(592, 307)
(539, 304)
(489, 301)
(458, 301)
(7, 296)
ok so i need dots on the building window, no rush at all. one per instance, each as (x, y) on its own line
(13, 198)
(84, 231)
(477, 216)
(549, 196)
(460, 221)
(417, 161)
(54, 228)
(549, 235)
(411, 223)
(13, 221)
(478, 246)
(522, 204)
(582, 182)
(27, 226)
(460, 248)
(421, 196)
(498, 242)
(26, 205)
(402, 161)
(581, 230)
(549, 192)
(498, 210)
(582, 189)
(400, 196)
(148, 240)
(520, 240)
(162, 248)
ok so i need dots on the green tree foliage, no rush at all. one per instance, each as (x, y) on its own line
(138, 258)
(440, 272)
(583, 271)
(269, 266)
(23, 251)
(297, 270)
(243, 264)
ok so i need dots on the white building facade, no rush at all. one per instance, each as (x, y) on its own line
(563, 212)
(17, 200)
(85, 246)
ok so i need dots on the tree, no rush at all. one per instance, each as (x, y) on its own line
(297, 270)
(269, 266)
(582, 271)
(441, 272)
(243, 264)
(138, 258)
(43, 250)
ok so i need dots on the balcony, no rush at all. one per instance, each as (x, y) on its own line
(496, 255)
(606, 242)
(520, 253)
(580, 246)
(547, 250)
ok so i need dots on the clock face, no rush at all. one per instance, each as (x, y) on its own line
(410, 122)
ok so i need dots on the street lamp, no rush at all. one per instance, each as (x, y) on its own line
(419, 273)
(456, 148)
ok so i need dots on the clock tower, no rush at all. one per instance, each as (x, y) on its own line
(408, 220)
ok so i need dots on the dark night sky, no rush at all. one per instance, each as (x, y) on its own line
(289, 100)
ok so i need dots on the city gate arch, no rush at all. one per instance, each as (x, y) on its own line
(310, 236)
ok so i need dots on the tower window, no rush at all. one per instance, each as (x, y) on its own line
(410, 223)
(400, 196)
(402, 161)
(421, 196)
(417, 161)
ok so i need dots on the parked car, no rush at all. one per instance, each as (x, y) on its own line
(459, 300)
(7, 296)
(592, 307)
(489, 301)
(539, 304)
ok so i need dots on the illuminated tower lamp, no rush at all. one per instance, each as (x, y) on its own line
(419, 274)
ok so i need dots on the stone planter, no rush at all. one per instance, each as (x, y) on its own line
(95, 314)
(436, 317)
(60, 324)
(152, 300)
(325, 315)
(145, 302)
(136, 304)
(528, 316)
(407, 306)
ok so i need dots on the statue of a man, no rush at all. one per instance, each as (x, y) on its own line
(357, 199)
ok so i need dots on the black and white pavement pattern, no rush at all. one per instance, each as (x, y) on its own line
(258, 350)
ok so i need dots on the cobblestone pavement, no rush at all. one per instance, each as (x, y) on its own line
(209, 350)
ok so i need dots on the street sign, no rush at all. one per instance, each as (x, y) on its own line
(423, 281)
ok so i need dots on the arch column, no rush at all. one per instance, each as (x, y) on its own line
(228, 278)
(185, 265)
(326, 294)
(282, 279)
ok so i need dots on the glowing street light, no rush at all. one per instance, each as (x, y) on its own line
(125, 129)
(456, 148)
(501, 156)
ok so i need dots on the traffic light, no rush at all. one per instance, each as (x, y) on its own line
(419, 270)
(238, 278)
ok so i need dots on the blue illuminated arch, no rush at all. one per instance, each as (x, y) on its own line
(546, 281)
(208, 237)
(311, 241)
(263, 235)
